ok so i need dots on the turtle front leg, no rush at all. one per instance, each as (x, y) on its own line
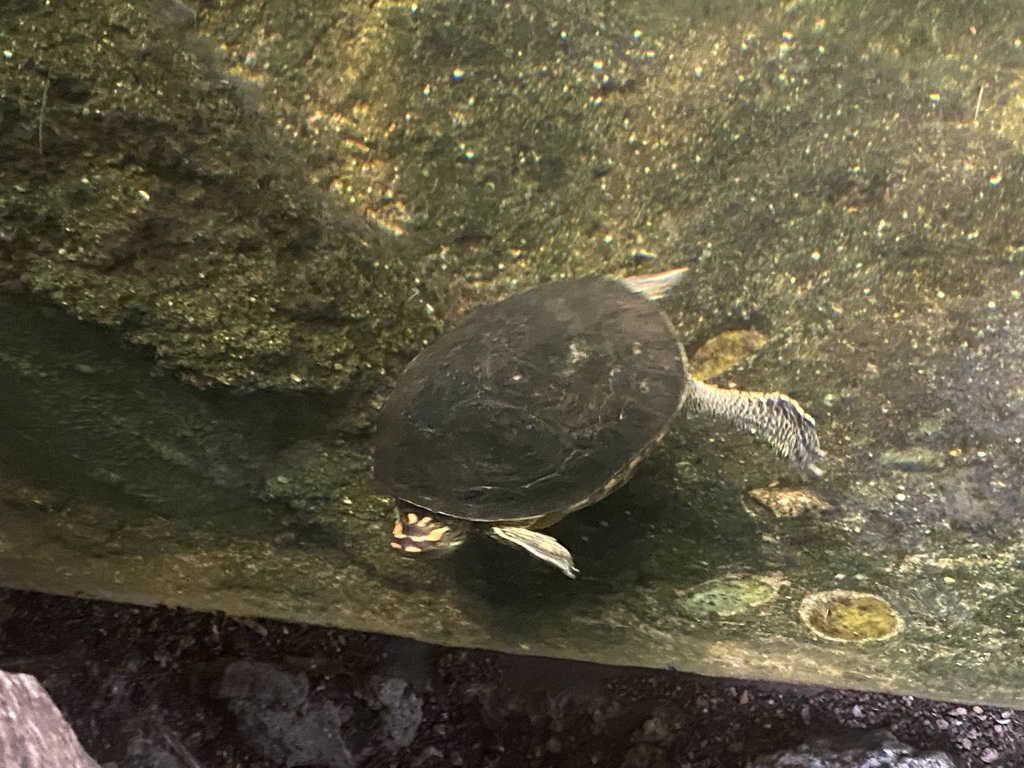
(540, 545)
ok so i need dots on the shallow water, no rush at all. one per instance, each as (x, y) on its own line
(271, 215)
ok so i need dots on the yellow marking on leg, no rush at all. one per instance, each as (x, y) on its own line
(434, 535)
(396, 545)
(426, 520)
(412, 517)
(411, 548)
(398, 532)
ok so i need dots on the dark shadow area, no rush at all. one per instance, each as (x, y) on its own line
(155, 686)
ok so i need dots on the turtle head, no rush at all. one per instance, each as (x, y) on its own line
(418, 531)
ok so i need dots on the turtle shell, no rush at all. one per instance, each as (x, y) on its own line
(537, 405)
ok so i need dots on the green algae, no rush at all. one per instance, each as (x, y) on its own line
(156, 197)
(728, 596)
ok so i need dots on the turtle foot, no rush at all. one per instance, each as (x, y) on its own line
(655, 286)
(772, 417)
(540, 545)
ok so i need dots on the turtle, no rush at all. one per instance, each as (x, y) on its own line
(544, 403)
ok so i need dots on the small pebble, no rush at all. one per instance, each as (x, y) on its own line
(989, 755)
(913, 460)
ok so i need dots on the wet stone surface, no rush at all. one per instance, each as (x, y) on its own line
(280, 214)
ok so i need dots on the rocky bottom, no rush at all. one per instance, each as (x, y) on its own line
(167, 688)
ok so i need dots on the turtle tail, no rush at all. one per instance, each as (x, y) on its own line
(773, 418)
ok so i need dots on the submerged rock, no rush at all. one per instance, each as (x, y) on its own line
(274, 709)
(294, 724)
(33, 732)
(855, 749)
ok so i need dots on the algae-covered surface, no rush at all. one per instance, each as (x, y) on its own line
(225, 228)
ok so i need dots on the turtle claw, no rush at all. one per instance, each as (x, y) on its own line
(540, 545)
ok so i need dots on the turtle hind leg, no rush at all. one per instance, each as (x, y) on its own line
(540, 545)
(773, 418)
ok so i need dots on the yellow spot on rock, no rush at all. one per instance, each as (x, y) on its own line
(850, 617)
(787, 502)
(725, 351)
